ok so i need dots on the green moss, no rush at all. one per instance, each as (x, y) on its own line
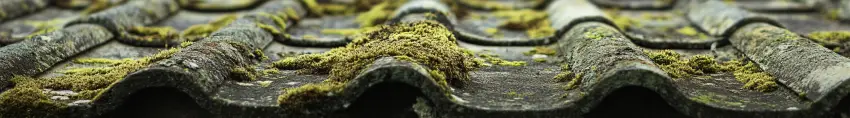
(575, 82)
(713, 100)
(264, 83)
(830, 37)
(540, 50)
(185, 44)
(753, 77)
(494, 59)
(269, 28)
(26, 98)
(198, 31)
(622, 22)
(378, 13)
(687, 30)
(314, 7)
(100, 61)
(343, 32)
(88, 71)
(97, 5)
(271, 71)
(494, 5)
(44, 27)
(536, 23)
(429, 43)
(833, 14)
(151, 34)
(539, 60)
(305, 95)
(243, 74)
(565, 75)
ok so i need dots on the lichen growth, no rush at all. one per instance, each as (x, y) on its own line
(494, 59)
(27, 97)
(195, 32)
(540, 50)
(753, 77)
(535, 23)
(830, 37)
(427, 42)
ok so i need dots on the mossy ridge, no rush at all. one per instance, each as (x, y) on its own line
(535, 23)
(830, 37)
(428, 42)
(28, 99)
(748, 73)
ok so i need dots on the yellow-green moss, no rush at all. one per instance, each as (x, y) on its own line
(100, 61)
(536, 23)
(573, 79)
(269, 28)
(299, 97)
(343, 32)
(833, 14)
(830, 37)
(151, 34)
(540, 50)
(539, 60)
(97, 5)
(44, 27)
(711, 99)
(314, 7)
(198, 31)
(28, 99)
(687, 30)
(243, 74)
(622, 22)
(753, 77)
(378, 13)
(494, 59)
(428, 42)
(271, 71)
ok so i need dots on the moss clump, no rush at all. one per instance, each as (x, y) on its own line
(271, 71)
(27, 98)
(540, 50)
(536, 23)
(428, 43)
(494, 59)
(539, 60)
(100, 61)
(300, 97)
(195, 32)
(151, 34)
(243, 74)
(379, 13)
(830, 37)
(753, 77)
(573, 79)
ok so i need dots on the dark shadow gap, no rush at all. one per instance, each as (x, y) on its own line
(842, 110)
(634, 102)
(160, 102)
(386, 100)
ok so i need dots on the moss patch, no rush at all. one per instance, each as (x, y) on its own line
(44, 27)
(305, 95)
(428, 43)
(540, 50)
(573, 79)
(753, 77)
(535, 23)
(28, 99)
(494, 59)
(622, 22)
(195, 32)
(830, 37)
(151, 34)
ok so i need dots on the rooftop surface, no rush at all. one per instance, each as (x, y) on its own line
(424, 58)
